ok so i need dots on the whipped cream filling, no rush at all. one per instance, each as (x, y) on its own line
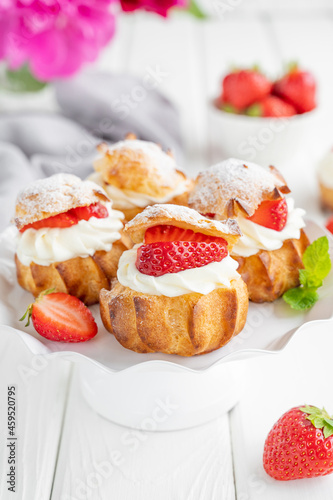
(125, 198)
(48, 245)
(202, 280)
(325, 170)
(256, 237)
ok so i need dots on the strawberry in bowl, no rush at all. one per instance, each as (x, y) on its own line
(257, 118)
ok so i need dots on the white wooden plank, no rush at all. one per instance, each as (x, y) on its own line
(110, 461)
(174, 46)
(114, 58)
(310, 42)
(41, 386)
(241, 44)
(300, 375)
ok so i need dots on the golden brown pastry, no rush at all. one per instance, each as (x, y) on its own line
(69, 238)
(192, 300)
(137, 173)
(270, 251)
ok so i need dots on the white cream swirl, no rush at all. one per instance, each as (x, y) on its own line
(202, 280)
(256, 237)
(125, 198)
(325, 170)
(48, 245)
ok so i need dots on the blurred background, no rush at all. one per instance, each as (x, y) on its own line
(74, 73)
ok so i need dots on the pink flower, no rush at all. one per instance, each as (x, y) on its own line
(54, 37)
(159, 6)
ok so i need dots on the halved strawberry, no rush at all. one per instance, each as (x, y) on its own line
(96, 210)
(156, 259)
(70, 218)
(172, 233)
(272, 214)
(66, 219)
(170, 249)
(61, 317)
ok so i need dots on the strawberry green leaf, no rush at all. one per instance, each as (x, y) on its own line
(320, 419)
(254, 110)
(228, 108)
(301, 298)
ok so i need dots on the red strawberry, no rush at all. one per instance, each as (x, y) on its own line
(298, 88)
(272, 214)
(156, 259)
(70, 218)
(300, 445)
(96, 210)
(245, 87)
(61, 317)
(329, 224)
(271, 106)
(170, 249)
(172, 233)
(66, 219)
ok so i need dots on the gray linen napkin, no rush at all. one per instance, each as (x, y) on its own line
(94, 107)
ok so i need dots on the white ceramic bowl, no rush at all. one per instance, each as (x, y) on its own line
(267, 141)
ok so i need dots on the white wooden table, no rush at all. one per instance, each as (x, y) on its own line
(65, 450)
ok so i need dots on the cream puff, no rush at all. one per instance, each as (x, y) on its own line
(69, 237)
(137, 173)
(177, 290)
(270, 251)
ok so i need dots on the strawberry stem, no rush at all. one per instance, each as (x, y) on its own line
(320, 419)
(28, 312)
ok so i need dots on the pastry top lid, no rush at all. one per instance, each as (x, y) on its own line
(54, 195)
(139, 166)
(234, 186)
(183, 217)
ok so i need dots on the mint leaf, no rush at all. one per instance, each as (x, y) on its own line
(301, 298)
(317, 265)
(317, 262)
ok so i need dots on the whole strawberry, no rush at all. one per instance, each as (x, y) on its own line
(300, 445)
(61, 317)
(271, 106)
(243, 88)
(298, 88)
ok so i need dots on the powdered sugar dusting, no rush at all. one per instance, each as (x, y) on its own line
(233, 179)
(56, 194)
(178, 213)
(162, 163)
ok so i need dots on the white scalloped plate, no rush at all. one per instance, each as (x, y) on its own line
(137, 390)
(268, 328)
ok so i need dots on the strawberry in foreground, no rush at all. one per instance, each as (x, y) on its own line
(298, 88)
(271, 106)
(61, 317)
(170, 249)
(243, 88)
(272, 214)
(300, 445)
